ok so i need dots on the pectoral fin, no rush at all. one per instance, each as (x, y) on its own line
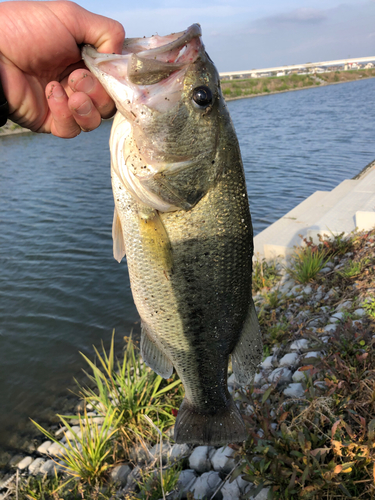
(155, 240)
(118, 238)
(153, 357)
(248, 352)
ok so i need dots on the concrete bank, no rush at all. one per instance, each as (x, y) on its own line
(348, 206)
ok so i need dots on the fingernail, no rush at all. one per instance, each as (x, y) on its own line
(84, 109)
(58, 92)
(85, 85)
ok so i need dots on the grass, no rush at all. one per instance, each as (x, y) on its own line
(254, 86)
(319, 447)
(89, 454)
(322, 445)
(354, 268)
(130, 397)
(369, 307)
(134, 390)
(307, 262)
(265, 275)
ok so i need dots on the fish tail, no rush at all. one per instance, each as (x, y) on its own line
(223, 427)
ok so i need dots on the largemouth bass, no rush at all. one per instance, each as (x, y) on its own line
(182, 218)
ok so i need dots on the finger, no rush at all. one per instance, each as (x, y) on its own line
(84, 112)
(82, 80)
(105, 34)
(63, 123)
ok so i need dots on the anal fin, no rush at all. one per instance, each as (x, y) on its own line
(247, 354)
(153, 357)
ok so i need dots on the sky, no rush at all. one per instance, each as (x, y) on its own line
(247, 34)
(251, 34)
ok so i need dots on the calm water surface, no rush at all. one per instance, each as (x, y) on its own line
(61, 291)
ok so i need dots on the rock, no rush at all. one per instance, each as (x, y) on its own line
(260, 378)
(140, 454)
(179, 451)
(15, 460)
(43, 448)
(325, 309)
(296, 289)
(357, 322)
(330, 264)
(313, 355)
(290, 359)
(286, 286)
(56, 449)
(206, 485)
(249, 410)
(359, 312)
(325, 339)
(133, 479)
(120, 473)
(69, 433)
(222, 459)
(48, 467)
(318, 296)
(337, 316)
(344, 306)
(299, 376)
(314, 323)
(36, 465)
(330, 328)
(295, 390)
(267, 363)
(235, 489)
(331, 293)
(320, 384)
(325, 270)
(280, 375)
(165, 451)
(200, 459)
(24, 463)
(262, 495)
(185, 482)
(299, 345)
(307, 290)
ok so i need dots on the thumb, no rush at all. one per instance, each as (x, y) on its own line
(107, 35)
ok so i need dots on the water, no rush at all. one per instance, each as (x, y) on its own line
(61, 291)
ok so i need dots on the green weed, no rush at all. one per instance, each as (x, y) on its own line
(306, 263)
(369, 307)
(134, 390)
(265, 275)
(321, 446)
(353, 268)
(87, 454)
(154, 485)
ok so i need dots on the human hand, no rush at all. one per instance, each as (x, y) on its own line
(44, 79)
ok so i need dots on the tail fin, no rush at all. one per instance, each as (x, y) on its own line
(223, 427)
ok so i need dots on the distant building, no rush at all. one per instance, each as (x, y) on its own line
(369, 66)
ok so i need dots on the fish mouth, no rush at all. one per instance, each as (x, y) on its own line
(147, 68)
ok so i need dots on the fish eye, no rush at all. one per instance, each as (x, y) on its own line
(202, 96)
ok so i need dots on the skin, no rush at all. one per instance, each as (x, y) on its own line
(46, 83)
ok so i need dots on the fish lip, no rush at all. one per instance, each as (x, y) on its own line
(183, 38)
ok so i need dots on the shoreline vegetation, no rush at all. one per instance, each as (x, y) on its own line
(309, 412)
(254, 87)
(257, 87)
